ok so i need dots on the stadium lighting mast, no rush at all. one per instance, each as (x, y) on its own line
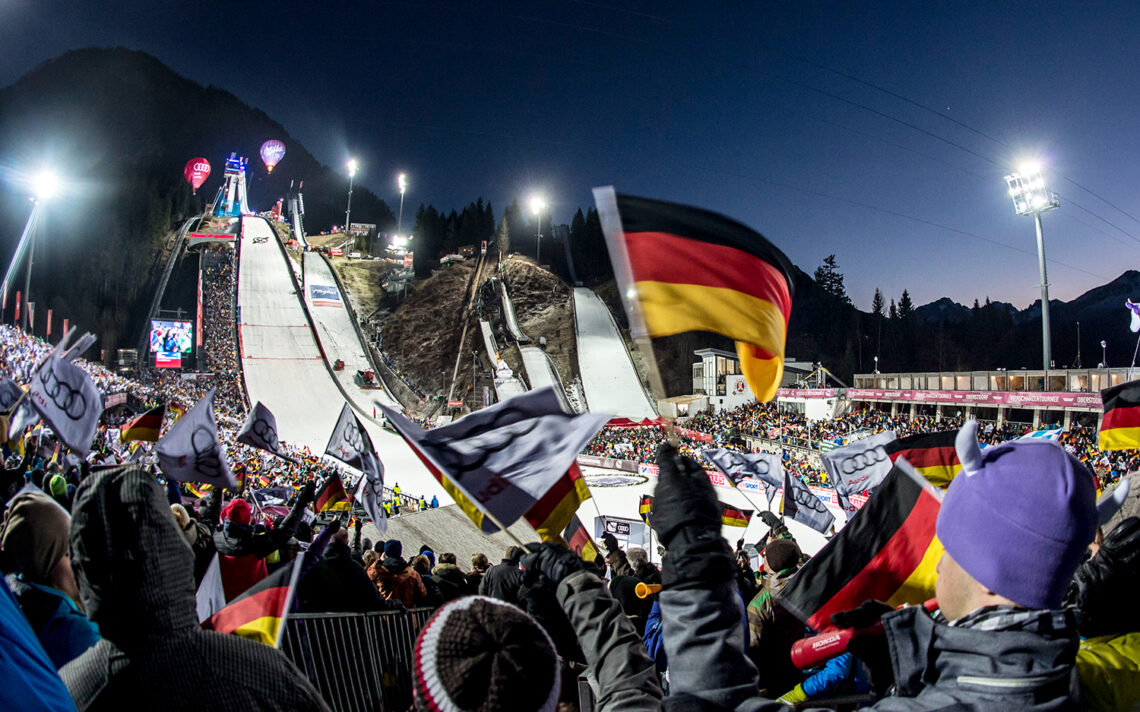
(537, 205)
(44, 186)
(1030, 197)
(402, 182)
(352, 166)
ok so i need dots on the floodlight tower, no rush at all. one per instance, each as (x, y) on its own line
(352, 166)
(1030, 197)
(402, 184)
(537, 205)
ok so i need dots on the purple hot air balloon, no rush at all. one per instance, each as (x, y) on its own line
(272, 151)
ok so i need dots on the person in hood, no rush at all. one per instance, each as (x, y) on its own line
(451, 579)
(135, 574)
(34, 536)
(338, 583)
(396, 580)
(242, 549)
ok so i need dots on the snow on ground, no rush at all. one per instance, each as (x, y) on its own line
(283, 367)
(608, 376)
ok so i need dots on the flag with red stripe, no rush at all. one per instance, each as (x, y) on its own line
(578, 539)
(259, 613)
(888, 551)
(733, 516)
(551, 514)
(932, 455)
(1120, 428)
(146, 427)
(685, 269)
(332, 495)
(645, 507)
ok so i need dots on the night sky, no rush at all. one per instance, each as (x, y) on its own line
(880, 132)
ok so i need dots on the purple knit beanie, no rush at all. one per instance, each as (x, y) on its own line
(1018, 517)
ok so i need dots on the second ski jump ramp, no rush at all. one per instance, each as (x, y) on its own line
(284, 368)
(506, 385)
(609, 379)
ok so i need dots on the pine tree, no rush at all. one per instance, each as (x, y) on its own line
(893, 312)
(906, 306)
(503, 237)
(877, 303)
(830, 279)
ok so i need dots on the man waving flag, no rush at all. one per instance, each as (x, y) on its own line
(686, 269)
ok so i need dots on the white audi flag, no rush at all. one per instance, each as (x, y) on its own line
(860, 466)
(503, 459)
(739, 466)
(351, 444)
(190, 452)
(260, 431)
(66, 397)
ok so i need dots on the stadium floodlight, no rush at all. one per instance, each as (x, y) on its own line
(1031, 197)
(537, 205)
(352, 166)
(46, 185)
(402, 183)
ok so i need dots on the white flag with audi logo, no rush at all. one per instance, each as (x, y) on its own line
(351, 444)
(66, 397)
(860, 466)
(190, 452)
(764, 467)
(260, 431)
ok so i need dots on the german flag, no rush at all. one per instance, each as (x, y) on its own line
(259, 613)
(145, 427)
(178, 411)
(1120, 428)
(332, 496)
(932, 455)
(197, 490)
(733, 517)
(550, 515)
(888, 551)
(578, 539)
(686, 269)
(645, 507)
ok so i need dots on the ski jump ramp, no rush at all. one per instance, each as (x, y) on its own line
(540, 371)
(509, 315)
(609, 379)
(284, 368)
(506, 385)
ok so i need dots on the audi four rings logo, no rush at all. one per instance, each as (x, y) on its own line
(205, 447)
(201, 166)
(264, 431)
(862, 460)
(68, 399)
(807, 499)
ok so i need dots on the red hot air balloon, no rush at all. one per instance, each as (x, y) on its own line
(272, 151)
(197, 170)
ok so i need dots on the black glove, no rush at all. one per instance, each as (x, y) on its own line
(610, 542)
(308, 494)
(873, 650)
(686, 516)
(552, 561)
(770, 519)
(334, 527)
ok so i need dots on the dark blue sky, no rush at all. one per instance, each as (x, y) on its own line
(744, 111)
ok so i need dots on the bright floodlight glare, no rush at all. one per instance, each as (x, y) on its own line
(352, 166)
(402, 181)
(537, 204)
(46, 185)
(1028, 191)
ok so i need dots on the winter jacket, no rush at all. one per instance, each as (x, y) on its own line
(397, 581)
(242, 550)
(648, 573)
(452, 581)
(136, 581)
(771, 632)
(654, 638)
(61, 627)
(1109, 668)
(433, 596)
(502, 581)
(338, 584)
(625, 676)
(28, 679)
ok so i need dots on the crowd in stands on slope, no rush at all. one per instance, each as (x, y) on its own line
(219, 285)
(98, 609)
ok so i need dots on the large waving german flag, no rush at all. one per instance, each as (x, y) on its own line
(550, 515)
(686, 269)
(145, 427)
(259, 613)
(932, 455)
(332, 496)
(578, 539)
(645, 507)
(1120, 428)
(888, 551)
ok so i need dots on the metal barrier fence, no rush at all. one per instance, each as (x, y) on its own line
(357, 661)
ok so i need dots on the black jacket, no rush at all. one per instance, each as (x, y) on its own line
(502, 582)
(338, 583)
(135, 576)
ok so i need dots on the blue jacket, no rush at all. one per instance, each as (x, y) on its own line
(28, 680)
(654, 638)
(832, 678)
(63, 630)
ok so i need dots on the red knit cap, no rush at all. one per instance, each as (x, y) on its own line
(237, 510)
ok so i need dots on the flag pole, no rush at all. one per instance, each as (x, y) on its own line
(606, 200)
(1134, 352)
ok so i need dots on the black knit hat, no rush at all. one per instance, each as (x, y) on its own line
(480, 654)
(781, 554)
